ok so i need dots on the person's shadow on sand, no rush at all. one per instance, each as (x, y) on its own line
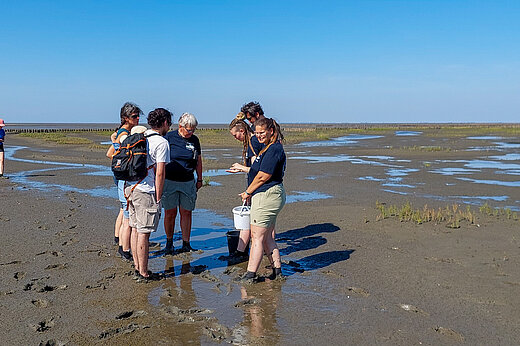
(307, 238)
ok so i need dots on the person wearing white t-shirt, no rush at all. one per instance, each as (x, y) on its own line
(144, 202)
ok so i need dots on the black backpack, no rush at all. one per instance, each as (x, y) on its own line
(129, 161)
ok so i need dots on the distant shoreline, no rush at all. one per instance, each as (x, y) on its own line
(51, 127)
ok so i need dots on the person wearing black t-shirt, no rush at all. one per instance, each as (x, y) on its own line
(267, 194)
(251, 147)
(180, 187)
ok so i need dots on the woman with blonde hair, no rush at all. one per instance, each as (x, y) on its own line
(267, 195)
(251, 147)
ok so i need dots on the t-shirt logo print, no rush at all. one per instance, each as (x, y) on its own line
(191, 147)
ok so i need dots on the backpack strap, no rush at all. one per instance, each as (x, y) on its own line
(147, 169)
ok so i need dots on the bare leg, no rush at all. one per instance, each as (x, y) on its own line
(117, 227)
(133, 243)
(124, 234)
(272, 248)
(185, 223)
(169, 222)
(142, 250)
(2, 162)
(243, 241)
(257, 249)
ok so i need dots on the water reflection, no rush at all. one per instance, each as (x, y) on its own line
(339, 141)
(408, 133)
(304, 196)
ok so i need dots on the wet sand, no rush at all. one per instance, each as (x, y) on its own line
(352, 279)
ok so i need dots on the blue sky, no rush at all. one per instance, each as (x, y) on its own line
(304, 61)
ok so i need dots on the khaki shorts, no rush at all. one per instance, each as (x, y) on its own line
(144, 210)
(265, 206)
(175, 193)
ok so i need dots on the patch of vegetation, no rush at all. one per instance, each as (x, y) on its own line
(451, 215)
(485, 130)
(425, 148)
(206, 181)
(497, 212)
(58, 137)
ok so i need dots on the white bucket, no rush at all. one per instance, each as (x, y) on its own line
(241, 217)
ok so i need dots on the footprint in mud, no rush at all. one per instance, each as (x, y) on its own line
(450, 333)
(103, 282)
(411, 308)
(247, 302)
(52, 342)
(216, 331)
(333, 273)
(123, 330)
(41, 287)
(130, 314)
(9, 263)
(187, 315)
(69, 242)
(19, 275)
(43, 326)
(57, 266)
(356, 291)
(206, 275)
(226, 286)
(40, 303)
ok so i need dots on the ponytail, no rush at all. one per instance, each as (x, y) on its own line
(239, 123)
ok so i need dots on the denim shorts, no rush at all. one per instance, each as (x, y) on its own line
(122, 199)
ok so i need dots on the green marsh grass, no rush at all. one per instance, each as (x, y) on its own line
(450, 215)
(58, 138)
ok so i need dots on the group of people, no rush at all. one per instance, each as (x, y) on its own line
(173, 160)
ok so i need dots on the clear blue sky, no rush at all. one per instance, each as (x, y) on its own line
(304, 61)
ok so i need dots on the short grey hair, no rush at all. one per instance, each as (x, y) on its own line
(188, 119)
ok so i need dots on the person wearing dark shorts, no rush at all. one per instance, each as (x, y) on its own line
(180, 187)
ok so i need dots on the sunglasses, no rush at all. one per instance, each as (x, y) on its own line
(134, 116)
(189, 130)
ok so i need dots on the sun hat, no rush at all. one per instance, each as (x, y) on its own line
(2, 124)
(135, 129)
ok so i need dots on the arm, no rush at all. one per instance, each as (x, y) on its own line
(259, 180)
(237, 167)
(112, 149)
(160, 173)
(198, 169)
(110, 152)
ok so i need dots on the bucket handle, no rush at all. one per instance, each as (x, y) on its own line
(243, 207)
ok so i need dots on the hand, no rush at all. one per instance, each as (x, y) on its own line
(236, 167)
(198, 185)
(245, 196)
(113, 137)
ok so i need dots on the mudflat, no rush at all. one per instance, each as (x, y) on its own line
(389, 237)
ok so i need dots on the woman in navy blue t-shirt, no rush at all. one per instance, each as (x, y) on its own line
(265, 188)
(251, 147)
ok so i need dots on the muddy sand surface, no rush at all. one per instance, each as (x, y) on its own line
(353, 276)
